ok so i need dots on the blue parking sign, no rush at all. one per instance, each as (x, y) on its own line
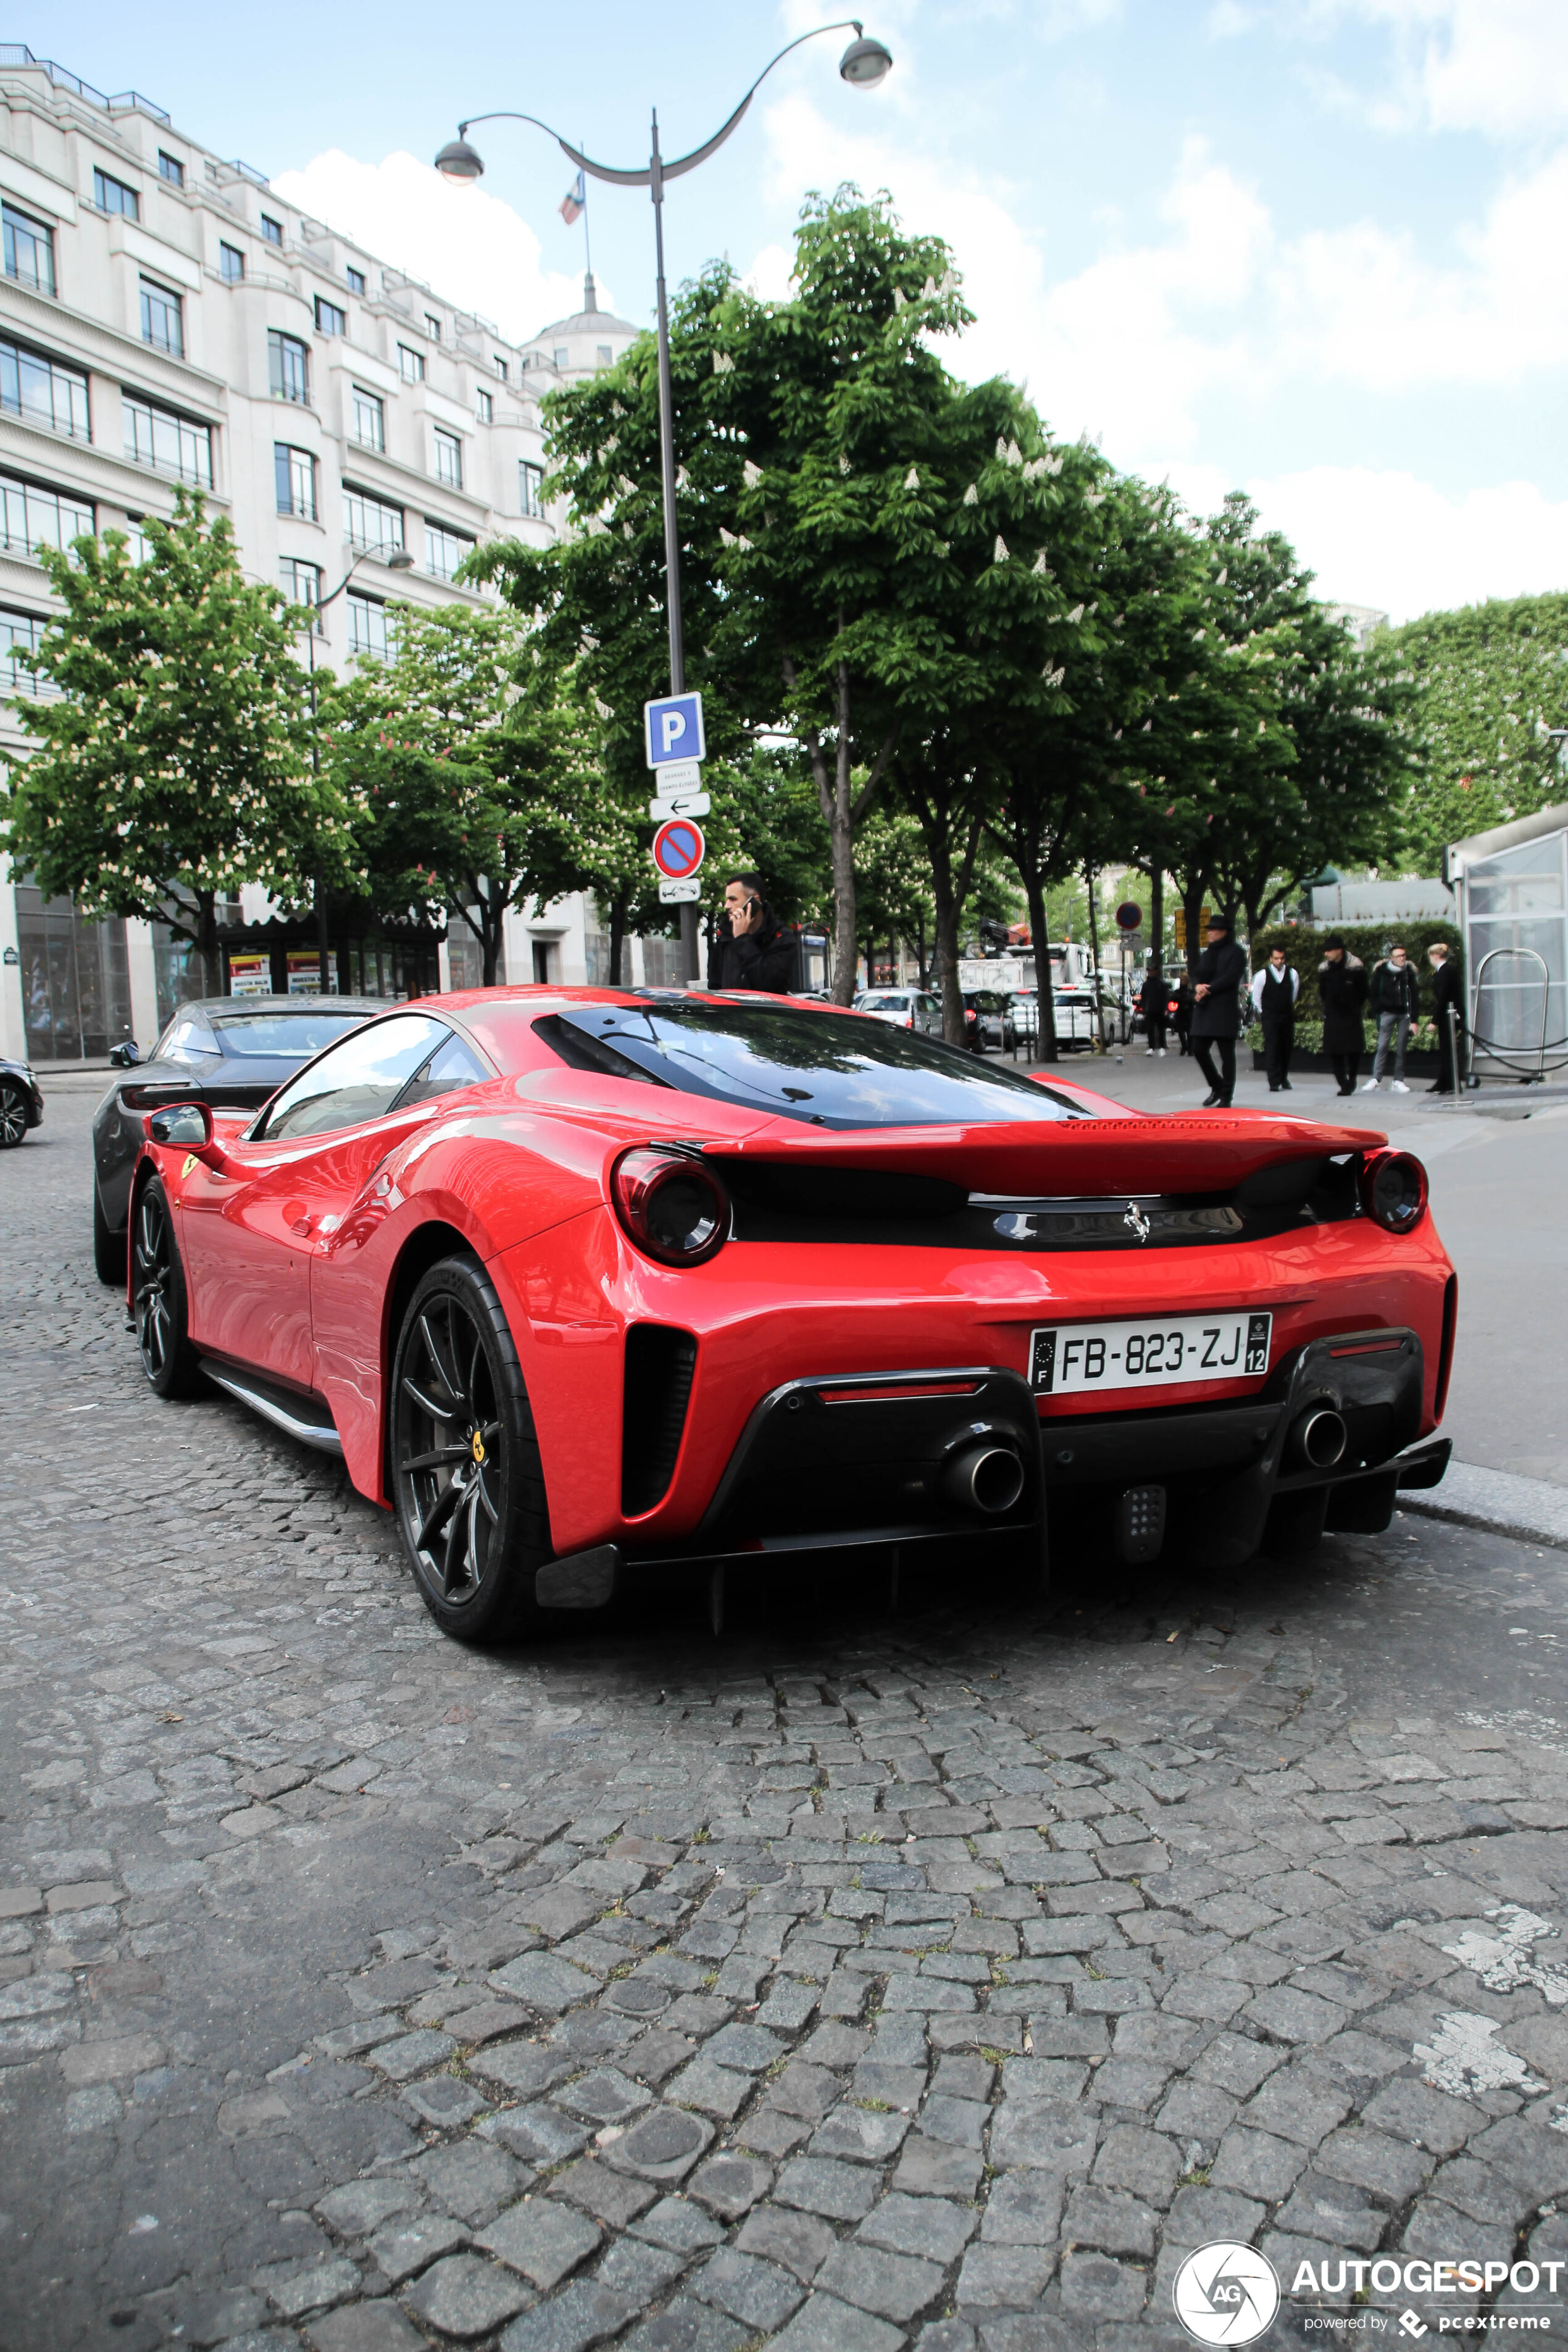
(673, 730)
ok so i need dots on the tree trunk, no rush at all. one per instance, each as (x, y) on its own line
(1046, 1047)
(618, 939)
(920, 949)
(1156, 919)
(1094, 953)
(1193, 908)
(206, 939)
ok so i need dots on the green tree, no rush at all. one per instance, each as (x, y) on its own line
(1489, 681)
(477, 761)
(172, 766)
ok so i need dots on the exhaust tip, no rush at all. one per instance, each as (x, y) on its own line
(988, 1479)
(1321, 1437)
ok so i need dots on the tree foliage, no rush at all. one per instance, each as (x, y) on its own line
(1488, 681)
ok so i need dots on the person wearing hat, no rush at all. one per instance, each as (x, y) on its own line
(1216, 992)
(1342, 992)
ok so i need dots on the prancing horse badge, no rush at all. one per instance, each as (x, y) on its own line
(1138, 1223)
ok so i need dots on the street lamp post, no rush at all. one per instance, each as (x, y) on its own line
(398, 561)
(865, 63)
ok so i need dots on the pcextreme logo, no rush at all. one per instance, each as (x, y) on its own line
(1227, 2293)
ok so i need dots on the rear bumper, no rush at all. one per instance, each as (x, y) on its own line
(844, 1461)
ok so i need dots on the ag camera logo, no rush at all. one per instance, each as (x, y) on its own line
(1227, 2293)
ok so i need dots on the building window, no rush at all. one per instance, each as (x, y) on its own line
(355, 280)
(172, 444)
(411, 365)
(295, 480)
(444, 549)
(230, 263)
(29, 513)
(606, 356)
(368, 631)
(138, 546)
(368, 523)
(43, 392)
(433, 326)
(530, 489)
(288, 366)
(170, 168)
(273, 230)
(487, 408)
(502, 369)
(30, 250)
(368, 422)
(448, 459)
(301, 584)
(330, 319)
(163, 321)
(21, 634)
(563, 356)
(111, 195)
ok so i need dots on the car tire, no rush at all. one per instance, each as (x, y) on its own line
(467, 1481)
(158, 1303)
(108, 1246)
(14, 1108)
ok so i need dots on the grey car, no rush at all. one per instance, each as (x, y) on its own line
(233, 1052)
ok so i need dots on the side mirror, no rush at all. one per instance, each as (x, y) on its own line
(125, 1056)
(187, 1126)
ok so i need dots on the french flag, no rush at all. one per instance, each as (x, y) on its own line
(575, 202)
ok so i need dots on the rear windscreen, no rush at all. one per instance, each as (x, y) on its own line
(299, 1034)
(828, 1069)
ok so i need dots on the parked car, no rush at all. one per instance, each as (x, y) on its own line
(21, 1103)
(902, 1008)
(233, 1052)
(583, 1285)
(1074, 1010)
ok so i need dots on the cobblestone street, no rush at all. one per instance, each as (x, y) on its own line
(853, 1980)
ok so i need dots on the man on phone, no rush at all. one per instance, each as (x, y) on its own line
(750, 950)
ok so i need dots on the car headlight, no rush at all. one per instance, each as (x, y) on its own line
(1393, 1186)
(673, 1208)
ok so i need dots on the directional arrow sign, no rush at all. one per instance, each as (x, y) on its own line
(679, 848)
(679, 805)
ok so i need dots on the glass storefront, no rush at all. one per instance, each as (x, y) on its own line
(1516, 911)
(76, 979)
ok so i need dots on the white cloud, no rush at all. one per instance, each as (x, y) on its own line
(1384, 537)
(1495, 65)
(471, 248)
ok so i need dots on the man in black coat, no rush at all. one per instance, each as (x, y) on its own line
(1449, 1011)
(750, 950)
(1221, 969)
(1152, 999)
(1342, 992)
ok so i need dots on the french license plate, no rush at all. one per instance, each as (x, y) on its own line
(1189, 1349)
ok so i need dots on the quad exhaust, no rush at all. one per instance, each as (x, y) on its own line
(1320, 1437)
(986, 1479)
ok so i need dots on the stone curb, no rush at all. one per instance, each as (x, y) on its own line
(1531, 1510)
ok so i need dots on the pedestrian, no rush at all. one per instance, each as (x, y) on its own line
(1449, 1011)
(1341, 990)
(1396, 999)
(1274, 992)
(750, 950)
(1152, 997)
(1179, 1011)
(1216, 1011)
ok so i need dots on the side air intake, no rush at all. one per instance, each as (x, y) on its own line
(660, 1366)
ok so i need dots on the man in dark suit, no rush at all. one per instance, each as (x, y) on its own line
(1221, 969)
(1448, 1010)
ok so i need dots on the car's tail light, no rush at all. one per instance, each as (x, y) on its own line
(673, 1207)
(1393, 1189)
(910, 1021)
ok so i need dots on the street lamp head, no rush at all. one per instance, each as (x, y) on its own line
(865, 63)
(459, 163)
(400, 561)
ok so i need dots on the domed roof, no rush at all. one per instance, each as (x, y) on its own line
(589, 318)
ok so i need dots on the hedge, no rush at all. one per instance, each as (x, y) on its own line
(1304, 949)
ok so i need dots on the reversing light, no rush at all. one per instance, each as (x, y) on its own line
(1393, 1189)
(674, 1209)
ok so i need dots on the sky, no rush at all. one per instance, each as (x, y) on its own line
(1315, 249)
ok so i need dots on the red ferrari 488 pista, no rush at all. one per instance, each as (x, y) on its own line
(587, 1283)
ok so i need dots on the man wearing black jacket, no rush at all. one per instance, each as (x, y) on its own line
(1221, 969)
(750, 950)
(1449, 1011)
(1394, 997)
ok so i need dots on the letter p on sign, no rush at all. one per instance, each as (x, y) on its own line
(673, 730)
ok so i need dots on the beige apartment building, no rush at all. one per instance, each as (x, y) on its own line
(166, 318)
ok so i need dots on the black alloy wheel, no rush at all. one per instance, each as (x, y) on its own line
(467, 1477)
(12, 1116)
(158, 1298)
(108, 1246)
